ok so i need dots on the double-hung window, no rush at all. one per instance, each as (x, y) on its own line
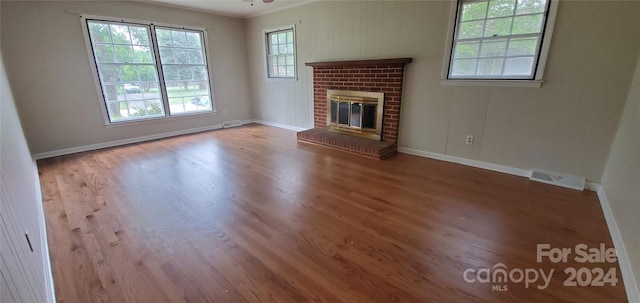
(281, 60)
(498, 40)
(147, 71)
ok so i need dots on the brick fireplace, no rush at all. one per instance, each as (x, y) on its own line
(380, 76)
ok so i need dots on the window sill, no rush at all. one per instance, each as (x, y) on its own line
(158, 119)
(493, 83)
(284, 79)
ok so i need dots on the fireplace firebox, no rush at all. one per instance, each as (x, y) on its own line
(355, 113)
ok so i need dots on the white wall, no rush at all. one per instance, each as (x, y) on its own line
(621, 180)
(25, 276)
(567, 125)
(48, 67)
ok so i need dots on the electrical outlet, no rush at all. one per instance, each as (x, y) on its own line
(469, 139)
(226, 112)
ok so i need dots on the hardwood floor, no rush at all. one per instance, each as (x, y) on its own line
(249, 215)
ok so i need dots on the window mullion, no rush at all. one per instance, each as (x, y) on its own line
(160, 75)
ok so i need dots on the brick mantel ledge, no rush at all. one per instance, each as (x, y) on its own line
(392, 61)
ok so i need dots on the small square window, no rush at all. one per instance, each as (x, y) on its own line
(497, 39)
(281, 54)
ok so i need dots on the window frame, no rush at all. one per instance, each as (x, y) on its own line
(540, 64)
(267, 46)
(156, 53)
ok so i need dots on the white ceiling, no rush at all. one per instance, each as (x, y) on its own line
(235, 8)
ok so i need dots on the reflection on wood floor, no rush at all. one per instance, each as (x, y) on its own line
(249, 215)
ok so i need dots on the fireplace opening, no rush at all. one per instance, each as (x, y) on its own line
(355, 113)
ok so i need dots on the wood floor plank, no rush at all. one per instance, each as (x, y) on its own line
(249, 215)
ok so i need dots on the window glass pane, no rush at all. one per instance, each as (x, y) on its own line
(185, 71)
(290, 48)
(490, 67)
(179, 38)
(100, 33)
(181, 56)
(282, 38)
(493, 48)
(290, 60)
(530, 6)
(129, 73)
(527, 24)
(471, 29)
(147, 73)
(195, 56)
(167, 56)
(290, 71)
(290, 37)
(124, 53)
(150, 90)
(139, 35)
(464, 67)
(104, 53)
(109, 73)
(142, 54)
(521, 66)
(199, 73)
(133, 91)
(498, 27)
(170, 73)
(120, 34)
(164, 37)
(111, 92)
(154, 108)
(474, 11)
(193, 40)
(466, 50)
(501, 8)
(522, 46)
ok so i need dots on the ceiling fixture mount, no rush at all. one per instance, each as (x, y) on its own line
(252, 1)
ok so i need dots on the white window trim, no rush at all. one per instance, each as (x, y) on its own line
(542, 60)
(96, 78)
(295, 52)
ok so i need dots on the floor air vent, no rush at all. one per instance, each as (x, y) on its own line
(231, 123)
(558, 179)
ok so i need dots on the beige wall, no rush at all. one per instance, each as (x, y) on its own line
(566, 126)
(48, 67)
(621, 180)
(25, 275)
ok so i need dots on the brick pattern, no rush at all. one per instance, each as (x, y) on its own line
(379, 150)
(385, 78)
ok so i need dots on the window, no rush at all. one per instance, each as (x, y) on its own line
(281, 61)
(129, 57)
(498, 39)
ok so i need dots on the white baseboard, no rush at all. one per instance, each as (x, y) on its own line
(285, 126)
(474, 163)
(479, 164)
(630, 282)
(84, 148)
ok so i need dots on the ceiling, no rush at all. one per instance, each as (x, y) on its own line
(235, 8)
